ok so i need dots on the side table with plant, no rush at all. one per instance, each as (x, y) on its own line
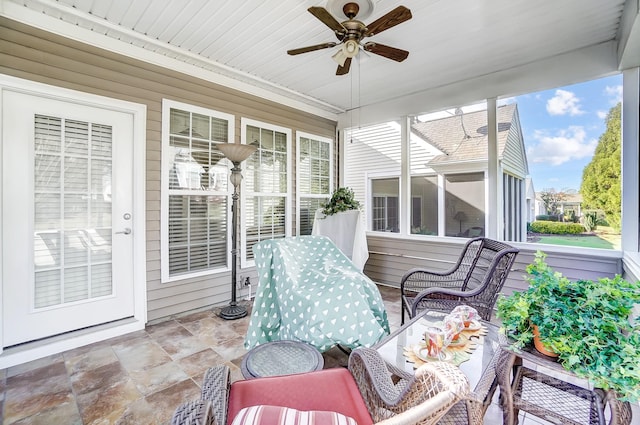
(586, 323)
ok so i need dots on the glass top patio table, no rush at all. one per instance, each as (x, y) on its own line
(391, 348)
(479, 368)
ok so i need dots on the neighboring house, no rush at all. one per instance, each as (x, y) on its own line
(573, 202)
(450, 154)
(531, 200)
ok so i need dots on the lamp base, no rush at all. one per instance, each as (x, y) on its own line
(233, 312)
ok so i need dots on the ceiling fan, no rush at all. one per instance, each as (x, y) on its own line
(351, 32)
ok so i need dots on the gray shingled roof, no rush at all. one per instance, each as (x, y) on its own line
(464, 137)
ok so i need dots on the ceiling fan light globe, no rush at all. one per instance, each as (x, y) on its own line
(350, 48)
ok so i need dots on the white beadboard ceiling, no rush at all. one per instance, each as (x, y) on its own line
(449, 41)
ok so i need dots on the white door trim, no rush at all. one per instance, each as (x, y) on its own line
(46, 347)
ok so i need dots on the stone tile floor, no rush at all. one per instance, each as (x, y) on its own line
(141, 377)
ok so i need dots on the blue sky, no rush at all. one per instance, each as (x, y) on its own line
(561, 128)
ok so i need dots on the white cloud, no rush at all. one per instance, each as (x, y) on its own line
(602, 114)
(563, 103)
(615, 93)
(566, 145)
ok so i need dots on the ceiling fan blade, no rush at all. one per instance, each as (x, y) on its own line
(327, 19)
(391, 19)
(389, 52)
(342, 70)
(310, 48)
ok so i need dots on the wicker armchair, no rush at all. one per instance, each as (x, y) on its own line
(475, 280)
(387, 396)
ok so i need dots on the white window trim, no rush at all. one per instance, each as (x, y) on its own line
(244, 122)
(369, 199)
(329, 141)
(167, 104)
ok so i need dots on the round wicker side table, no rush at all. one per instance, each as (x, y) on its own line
(281, 358)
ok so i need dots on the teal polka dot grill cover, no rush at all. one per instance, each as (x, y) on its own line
(308, 290)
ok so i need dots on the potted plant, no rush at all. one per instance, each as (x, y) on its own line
(342, 199)
(586, 323)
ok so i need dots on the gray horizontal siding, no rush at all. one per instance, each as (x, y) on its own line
(390, 258)
(36, 55)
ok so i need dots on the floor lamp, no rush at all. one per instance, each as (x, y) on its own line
(236, 153)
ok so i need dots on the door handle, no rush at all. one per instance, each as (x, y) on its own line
(126, 231)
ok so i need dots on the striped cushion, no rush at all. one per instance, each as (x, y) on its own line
(275, 415)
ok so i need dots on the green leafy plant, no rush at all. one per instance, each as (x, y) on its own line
(587, 323)
(342, 199)
(590, 221)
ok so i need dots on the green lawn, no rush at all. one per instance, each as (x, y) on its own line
(587, 241)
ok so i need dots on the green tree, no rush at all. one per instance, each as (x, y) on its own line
(601, 183)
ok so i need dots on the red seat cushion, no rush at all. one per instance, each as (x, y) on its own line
(329, 389)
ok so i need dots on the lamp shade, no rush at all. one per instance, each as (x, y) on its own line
(460, 216)
(236, 152)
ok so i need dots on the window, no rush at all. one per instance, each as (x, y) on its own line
(195, 194)
(314, 172)
(372, 154)
(514, 209)
(385, 211)
(448, 162)
(547, 143)
(265, 206)
(464, 201)
(567, 133)
(424, 211)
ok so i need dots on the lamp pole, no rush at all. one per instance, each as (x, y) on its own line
(233, 310)
(236, 153)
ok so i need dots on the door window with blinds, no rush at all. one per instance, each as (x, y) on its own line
(72, 222)
(265, 210)
(314, 172)
(195, 191)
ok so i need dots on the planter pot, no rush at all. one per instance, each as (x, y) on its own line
(539, 345)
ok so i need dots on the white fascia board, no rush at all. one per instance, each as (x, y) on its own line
(580, 65)
(196, 67)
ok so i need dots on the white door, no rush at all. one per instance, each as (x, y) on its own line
(67, 246)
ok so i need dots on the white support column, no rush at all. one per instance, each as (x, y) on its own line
(630, 161)
(405, 176)
(442, 223)
(494, 207)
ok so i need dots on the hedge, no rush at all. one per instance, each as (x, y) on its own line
(555, 228)
(546, 217)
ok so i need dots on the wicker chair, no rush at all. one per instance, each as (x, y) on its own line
(475, 280)
(385, 394)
